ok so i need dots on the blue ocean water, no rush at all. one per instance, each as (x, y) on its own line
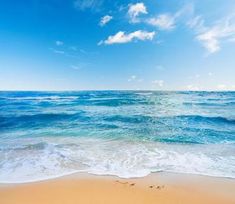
(123, 133)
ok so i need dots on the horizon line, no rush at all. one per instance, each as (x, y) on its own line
(74, 90)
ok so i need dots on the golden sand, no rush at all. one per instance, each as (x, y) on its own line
(157, 188)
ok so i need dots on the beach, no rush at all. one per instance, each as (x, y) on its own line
(117, 102)
(126, 147)
(155, 188)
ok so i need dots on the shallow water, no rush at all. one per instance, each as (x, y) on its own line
(123, 133)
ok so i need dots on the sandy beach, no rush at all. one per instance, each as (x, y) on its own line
(117, 102)
(155, 188)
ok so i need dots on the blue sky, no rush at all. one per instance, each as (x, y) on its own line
(105, 44)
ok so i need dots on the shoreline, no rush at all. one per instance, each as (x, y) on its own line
(87, 188)
(78, 174)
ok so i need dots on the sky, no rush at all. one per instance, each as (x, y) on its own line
(117, 45)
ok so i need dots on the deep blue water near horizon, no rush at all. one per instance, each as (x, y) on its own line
(123, 133)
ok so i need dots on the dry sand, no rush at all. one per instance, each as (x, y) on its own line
(163, 188)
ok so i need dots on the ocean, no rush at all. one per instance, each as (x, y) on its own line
(124, 133)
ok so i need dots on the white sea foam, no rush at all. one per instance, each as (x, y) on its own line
(45, 158)
(43, 98)
(144, 93)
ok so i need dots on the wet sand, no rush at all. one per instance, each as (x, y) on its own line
(164, 188)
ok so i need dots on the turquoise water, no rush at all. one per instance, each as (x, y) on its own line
(124, 133)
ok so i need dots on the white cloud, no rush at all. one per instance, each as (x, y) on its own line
(135, 78)
(132, 78)
(159, 83)
(196, 22)
(135, 10)
(209, 40)
(59, 43)
(121, 37)
(93, 5)
(105, 19)
(163, 21)
(57, 51)
(192, 87)
(211, 37)
(167, 21)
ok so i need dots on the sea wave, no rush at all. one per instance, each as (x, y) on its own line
(112, 118)
(55, 157)
(123, 133)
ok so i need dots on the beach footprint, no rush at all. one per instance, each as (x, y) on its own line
(124, 183)
(160, 187)
(157, 187)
